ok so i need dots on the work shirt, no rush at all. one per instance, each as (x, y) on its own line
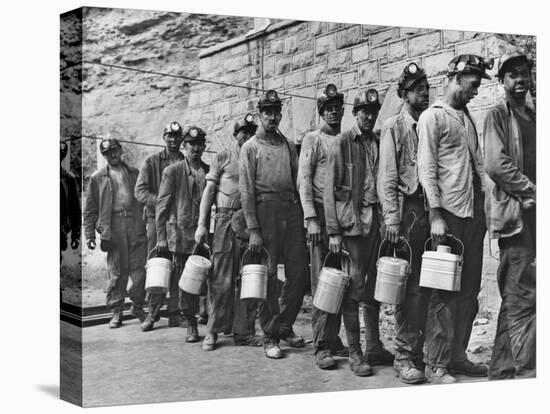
(528, 128)
(448, 155)
(122, 193)
(312, 170)
(148, 182)
(177, 209)
(505, 165)
(397, 174)
(70, 219)
(265, 169)
(350, 184)
(224, 172)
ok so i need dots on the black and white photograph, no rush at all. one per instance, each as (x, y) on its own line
(327, 206)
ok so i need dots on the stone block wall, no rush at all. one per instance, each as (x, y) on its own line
(301, 57)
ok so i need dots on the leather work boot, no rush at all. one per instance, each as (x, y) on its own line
(407, 372)
(438, 375)
(137, 312)
(247, 340)
(339, 349)
(116, 320)
(209, 343)
(380, 357)
(358, 365)
(192, 333)
(324, 359)
(202, 319)
(293, 340)
(148, 323)
(174, 320)
(272, 349)
(470, 369)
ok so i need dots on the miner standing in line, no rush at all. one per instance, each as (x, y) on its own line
(311, 184)
(268, 167)
(222, 188)
(450, 169)
(69, 205)
(177, 215)
(351, 213)
(146, 191)
(403, 213)
(112, 210)
(510, 161)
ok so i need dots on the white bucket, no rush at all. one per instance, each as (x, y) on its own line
(158, 271)
(194, 273)
(254, 279)
(391, 278)
(331, 287)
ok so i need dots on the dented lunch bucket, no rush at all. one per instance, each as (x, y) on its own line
(392, 275)
(442, 269)
(332, 284)
(195, 271)
(254, 278)
(158, 269)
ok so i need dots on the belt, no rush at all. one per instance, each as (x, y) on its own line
(282, 196)
(227, 209)
(123, 213)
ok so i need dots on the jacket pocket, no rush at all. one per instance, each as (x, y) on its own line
(504, 212)
(344, 207)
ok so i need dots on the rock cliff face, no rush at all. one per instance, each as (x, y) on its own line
(132, 105)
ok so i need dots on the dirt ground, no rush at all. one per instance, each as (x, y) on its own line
(126, 365)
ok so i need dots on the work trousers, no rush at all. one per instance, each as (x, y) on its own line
(363, 252)
(226, 310)
(126, 259)
(281, 227)
(514, 351)
(410, 316)
(451, 314)
(325, 325)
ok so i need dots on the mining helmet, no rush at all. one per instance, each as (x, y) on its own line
(411, 74)
(330, 94)
(194, 133)
(173, 128)
(269, 99)
(108, 144)
(64, 149)
(246, 123)
(509, 58)
(470, 64)
(366, 98)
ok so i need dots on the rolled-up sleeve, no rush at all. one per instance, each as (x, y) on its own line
(306, 170)
(498, 163)
(217, 166)
(388, 177)
(247, 179)
(428, 142)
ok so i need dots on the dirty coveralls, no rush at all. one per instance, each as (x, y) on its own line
(450, 169)
(402, 202)
(226, 311)
(351, 211)
(146, 191)
(311, 184)
(510, 161)
(267, 177)
(177, 216)
(112, 210)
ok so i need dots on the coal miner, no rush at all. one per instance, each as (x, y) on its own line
(70, 205)
(268, 165)
(311, 183)
(350, 202)
(402, 201)
(222, 188)
(146, 192)
(112, 210)
(511, 163)
(177, 215)
(450, 169)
